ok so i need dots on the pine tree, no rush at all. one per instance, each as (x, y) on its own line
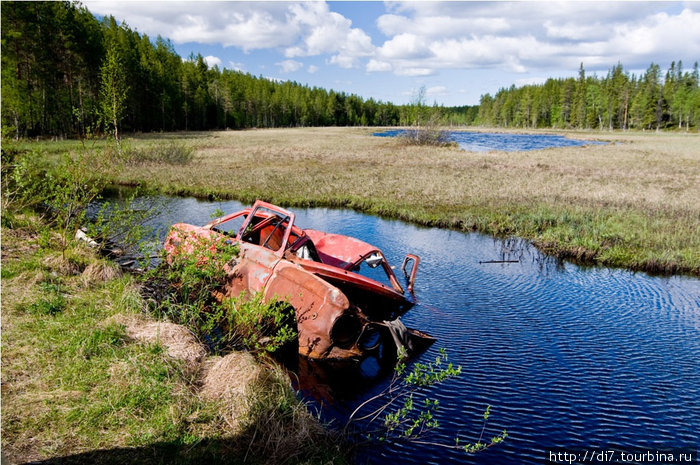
(578, 113)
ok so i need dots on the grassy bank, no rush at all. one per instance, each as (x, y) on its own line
(87, 377)
(632, 203)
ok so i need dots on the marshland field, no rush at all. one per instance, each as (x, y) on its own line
(630, 203)
(84, 379)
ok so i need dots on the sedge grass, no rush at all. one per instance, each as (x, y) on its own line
(631, 203)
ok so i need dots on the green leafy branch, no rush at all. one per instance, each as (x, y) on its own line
(402, 417)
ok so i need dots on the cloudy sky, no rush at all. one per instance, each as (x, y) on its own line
(387, 50)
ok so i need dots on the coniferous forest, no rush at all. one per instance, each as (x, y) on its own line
(619, 100)
(66, 73)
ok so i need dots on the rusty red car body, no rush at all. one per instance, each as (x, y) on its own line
(340, 312)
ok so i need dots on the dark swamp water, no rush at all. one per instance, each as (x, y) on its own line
(566, 356)
(485, 141)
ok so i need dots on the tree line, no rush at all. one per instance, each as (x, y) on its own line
(59, 63)
(619, 100)
(66, 74)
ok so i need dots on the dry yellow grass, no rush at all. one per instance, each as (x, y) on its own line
(638, 170)
(633, 202)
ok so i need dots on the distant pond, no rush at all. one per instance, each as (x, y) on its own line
(485, 141)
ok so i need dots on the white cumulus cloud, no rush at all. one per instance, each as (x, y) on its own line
(436, 91)
(405, 46)
(377, 65)
(422, 38)
(212, 61)
(246, 25)
(327, 32)
(300, 29)
(532, 36)
(289, 66)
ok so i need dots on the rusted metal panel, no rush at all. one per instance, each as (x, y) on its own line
(252, 270)
(316, 303)
(339, 274)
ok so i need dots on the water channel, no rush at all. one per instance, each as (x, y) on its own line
(567, 356)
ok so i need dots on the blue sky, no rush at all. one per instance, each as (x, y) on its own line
(457, 51)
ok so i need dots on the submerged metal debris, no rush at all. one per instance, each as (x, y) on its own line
(334, 282)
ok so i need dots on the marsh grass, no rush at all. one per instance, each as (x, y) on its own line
(78, 389)
(631, 203)
(171, 153)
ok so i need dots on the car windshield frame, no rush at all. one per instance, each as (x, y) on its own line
(285, 219)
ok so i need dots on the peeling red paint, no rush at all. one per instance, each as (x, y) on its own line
(337, 309)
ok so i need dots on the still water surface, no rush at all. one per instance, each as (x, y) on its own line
(485, 141)
(566, 356)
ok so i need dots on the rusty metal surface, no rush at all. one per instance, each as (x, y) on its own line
(338, 250)
(338, 311)
(411, 277)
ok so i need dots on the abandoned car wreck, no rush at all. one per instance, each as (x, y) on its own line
(346, 297)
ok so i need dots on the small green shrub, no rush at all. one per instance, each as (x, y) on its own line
(425, 135)
(258, 325)
(52, 301)
(62, 187)
(412, 420)
(125, 223)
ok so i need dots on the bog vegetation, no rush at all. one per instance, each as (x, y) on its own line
(66, 74)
